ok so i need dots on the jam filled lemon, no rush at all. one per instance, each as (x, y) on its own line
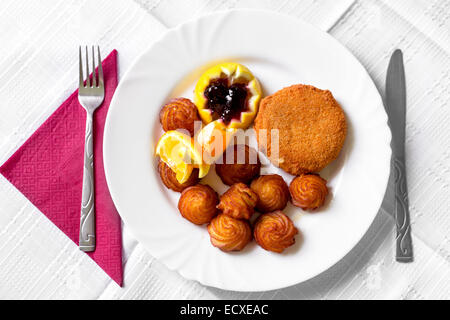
(228, 92)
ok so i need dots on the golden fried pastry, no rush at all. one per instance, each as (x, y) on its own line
(229, 234)
(272, 191)
(168, 177)
(274, 231)
(238, 201)
(198, 204)
(179, 113)
(308, 191)
(311, 128)
(239, 163)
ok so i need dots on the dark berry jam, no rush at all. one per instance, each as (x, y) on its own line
(226, 102)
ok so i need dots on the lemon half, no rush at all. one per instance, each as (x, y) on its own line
(234, 73)
(179, 152)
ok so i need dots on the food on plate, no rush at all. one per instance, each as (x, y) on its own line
(238, 201)
(214, 139)
(198, 204)
(229, 234)
(239, 163)
(301, 129)
(274, 231)
(308, 191)
(179, 113)
(311, 128)
(168, 177)
(273, 192)
(181, 154)
(228, 92)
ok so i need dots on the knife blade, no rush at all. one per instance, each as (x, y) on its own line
(396, 110)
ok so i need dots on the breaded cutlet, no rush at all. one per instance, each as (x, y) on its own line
(312, 128)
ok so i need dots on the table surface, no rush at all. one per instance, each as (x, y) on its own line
(38, 67)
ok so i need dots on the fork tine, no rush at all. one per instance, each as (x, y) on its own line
(94, 80)
(100, 69)
(88, 82)
(81, 83)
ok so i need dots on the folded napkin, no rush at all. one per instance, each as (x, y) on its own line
(48, 170)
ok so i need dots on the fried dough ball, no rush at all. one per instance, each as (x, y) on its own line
(168, 177)
(238, 201)
(179, 113)
(198, 204)
(273, 192)
(229, 234)
(308, 191)
(275, 231)
(244, 166)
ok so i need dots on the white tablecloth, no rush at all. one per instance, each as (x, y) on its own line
(38, 67)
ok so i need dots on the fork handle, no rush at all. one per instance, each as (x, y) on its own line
(404, 252)
(87, 217)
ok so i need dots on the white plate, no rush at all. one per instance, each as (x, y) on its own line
(280, 51)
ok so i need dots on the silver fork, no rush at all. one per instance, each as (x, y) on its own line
(90, 96)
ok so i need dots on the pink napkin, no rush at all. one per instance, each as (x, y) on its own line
(48, 170)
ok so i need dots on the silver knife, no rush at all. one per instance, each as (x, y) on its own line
(396, 110)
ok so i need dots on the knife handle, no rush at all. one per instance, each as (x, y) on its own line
(404, 252)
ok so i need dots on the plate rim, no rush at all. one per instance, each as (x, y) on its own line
(387, 134)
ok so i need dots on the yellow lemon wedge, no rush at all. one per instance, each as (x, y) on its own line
(214, 139)
(228, 92)
(179, 152)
